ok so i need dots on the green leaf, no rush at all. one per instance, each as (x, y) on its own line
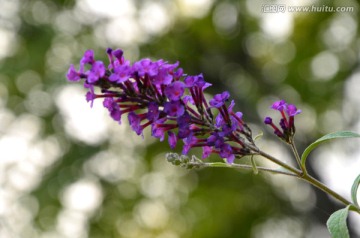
(337, 223)
(354, 189)
(331, 136)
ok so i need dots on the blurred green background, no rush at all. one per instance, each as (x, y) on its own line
(69, 171)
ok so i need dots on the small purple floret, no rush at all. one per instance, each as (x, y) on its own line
(219, 99)
(207, 150)
(175, 90)
(72, 74)
(153, 111)
(291, 110)
(97, 71)
(88, 57)
(134, 121)
(113, 108)
(174, 108)
(268, 120)
(172, 139)
(279, 105)
(121, 73)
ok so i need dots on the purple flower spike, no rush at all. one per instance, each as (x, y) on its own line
(175, 90)
(161, 95)
(219, 99)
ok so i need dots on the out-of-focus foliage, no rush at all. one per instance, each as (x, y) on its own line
(69, 171)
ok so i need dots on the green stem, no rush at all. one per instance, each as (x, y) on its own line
(297, 172)
(327, 190)
(297, 157)
(242, 166)
(304, 176)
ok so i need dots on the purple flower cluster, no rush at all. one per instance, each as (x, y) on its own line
(159, 95)
(288, 112)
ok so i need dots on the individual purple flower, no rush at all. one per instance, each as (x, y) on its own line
(228, 129)
(118, 53)
(188, 99)
(88, 58)
(279, 105)
(168, 69)
(236, 120)
(153, 111)
(178, 73)
(172, 139)
(219, 99)
(113, 108)
(174, 108)
(145, 66)
(72, 74)
(90, 97)
(97, 71)
(158, 128)
(163, 77)
(121, 73)
(215, 140)
(175, 90)
(190, 81)
(158, 131)
(227, 152)
(291, 110)
(189, 142)
(207, 150)
(134, 121)
(184, 120)
(219, 121)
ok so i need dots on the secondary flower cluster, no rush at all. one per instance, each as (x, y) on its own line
(159, 95)
(286, 123)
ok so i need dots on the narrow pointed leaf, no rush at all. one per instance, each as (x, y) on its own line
(337, 223)
(331, 136)
(354, 190)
